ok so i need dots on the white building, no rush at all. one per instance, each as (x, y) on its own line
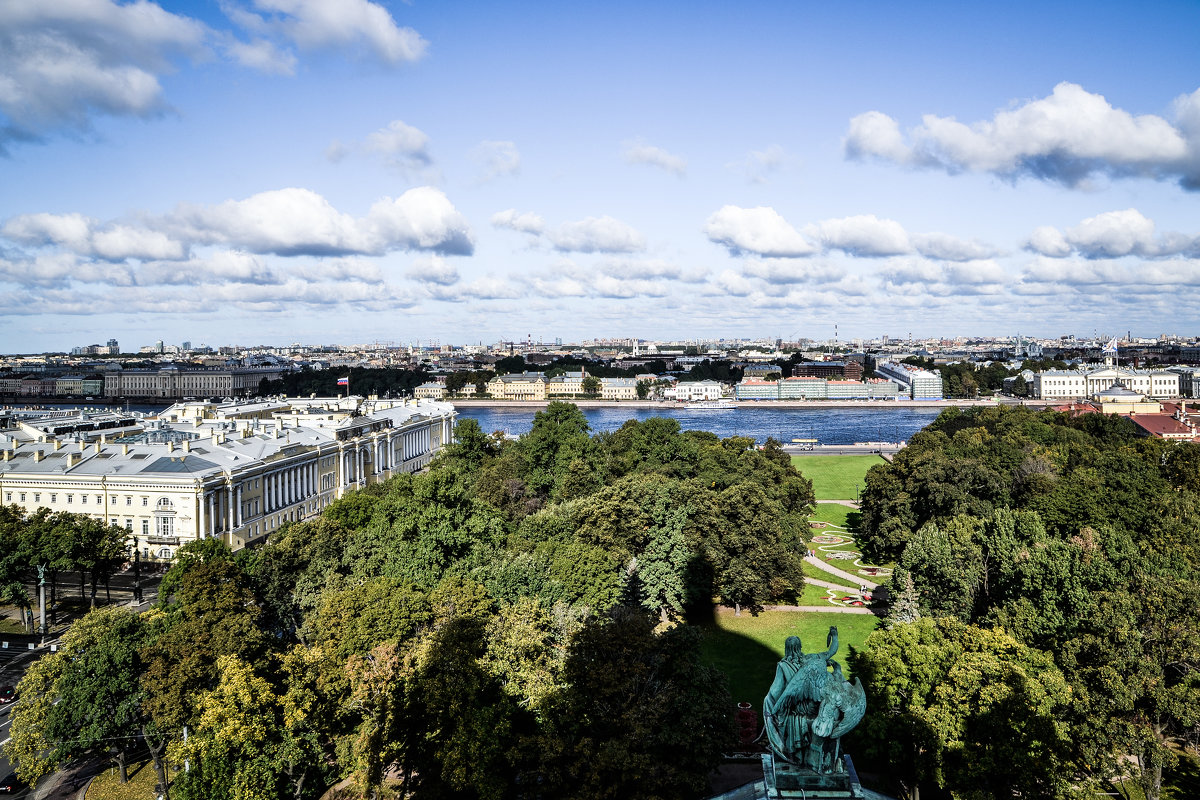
(1074, 385)
(918, 384)
(693, 391)
(200, 470)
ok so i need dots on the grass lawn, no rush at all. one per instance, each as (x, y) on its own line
(835, 477)
(818, 595)
(832, 513)
(746, 648)
(142, 780)
(816, 572)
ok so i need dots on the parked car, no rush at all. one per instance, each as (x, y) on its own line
(11, 785)
(7, 695)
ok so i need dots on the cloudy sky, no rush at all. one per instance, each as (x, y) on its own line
(273, 171)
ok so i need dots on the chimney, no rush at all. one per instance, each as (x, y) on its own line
(187, 445)
(8, 455)
(37, 455)
(124, 449)
(57, 445)
(170, 446)
(82, 445)
(98, 446)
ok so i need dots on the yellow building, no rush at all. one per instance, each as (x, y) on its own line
(518, 386)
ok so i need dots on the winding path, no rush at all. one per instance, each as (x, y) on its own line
(844, 536)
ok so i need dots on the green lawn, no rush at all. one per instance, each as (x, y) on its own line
(832, 513)
(811, 571)
(746, 648)
(835, 477)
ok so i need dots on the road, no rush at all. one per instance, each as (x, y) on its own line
(17, 657)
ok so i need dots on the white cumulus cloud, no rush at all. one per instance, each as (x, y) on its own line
(322, 24)
(758, 231)
(862, 235)
(400, 144)
(1112, 234)
(526, 222)
(1066, 137)
(63, 62)
(434, 269)
(597, 235)
(301, 222)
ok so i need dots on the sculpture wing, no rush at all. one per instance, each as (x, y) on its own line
(855, 705)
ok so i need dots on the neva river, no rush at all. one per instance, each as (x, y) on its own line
(828, 425)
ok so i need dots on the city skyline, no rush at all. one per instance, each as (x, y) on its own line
(271, 171)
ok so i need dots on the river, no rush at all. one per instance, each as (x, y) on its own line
(829, 425)
(839, 425)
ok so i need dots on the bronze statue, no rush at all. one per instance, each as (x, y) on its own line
(809, 708)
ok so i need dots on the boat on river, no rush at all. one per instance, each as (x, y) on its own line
(711, 405)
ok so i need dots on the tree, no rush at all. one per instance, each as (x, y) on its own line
(639, 715)
(973, 711)
(99, 696)
(251, 742)
(590, 385)
(643, 389)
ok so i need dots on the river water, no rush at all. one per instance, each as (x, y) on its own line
(828, 425)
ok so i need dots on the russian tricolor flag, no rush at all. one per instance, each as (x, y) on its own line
(343, 382)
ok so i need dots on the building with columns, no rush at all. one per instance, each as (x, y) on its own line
(237, 471)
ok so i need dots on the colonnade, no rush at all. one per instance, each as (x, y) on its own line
(222, 508)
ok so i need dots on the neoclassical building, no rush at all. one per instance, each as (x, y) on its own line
(237, 471)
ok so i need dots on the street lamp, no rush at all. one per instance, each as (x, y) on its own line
(137, 571)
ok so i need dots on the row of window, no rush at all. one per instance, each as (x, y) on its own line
(83, 499)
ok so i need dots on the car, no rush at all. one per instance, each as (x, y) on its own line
(7, 695)
(12, 785)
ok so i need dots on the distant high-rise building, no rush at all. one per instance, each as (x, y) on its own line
(113, 348)
(186, 346)
(158, 346)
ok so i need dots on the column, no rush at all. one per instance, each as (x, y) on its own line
(201, 524)
(229, 499)
(239, 505)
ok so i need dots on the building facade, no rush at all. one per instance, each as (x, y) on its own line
(518, 386)
(177, 383)
(918, 384)
(1075, 385)
(203, 470)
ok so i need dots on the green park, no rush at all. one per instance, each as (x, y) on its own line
(585, 611)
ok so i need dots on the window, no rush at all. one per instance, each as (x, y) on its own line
(113, 499)
(145, 527)
(128, 524)
(8, 497)
(165, 526)
(53, 497)
(22, 497)
(70, 498)
(128, 500)
(164, 553)
(83, 499)
(113, 522)
(145, 501)
(37, 497)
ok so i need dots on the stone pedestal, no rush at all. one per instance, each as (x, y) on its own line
(783, 780)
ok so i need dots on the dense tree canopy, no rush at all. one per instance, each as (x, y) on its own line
(513, 616)
(1076, 538)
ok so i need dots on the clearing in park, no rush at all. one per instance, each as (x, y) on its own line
(836, 477)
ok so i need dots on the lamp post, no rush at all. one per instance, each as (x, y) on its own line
(137, 571)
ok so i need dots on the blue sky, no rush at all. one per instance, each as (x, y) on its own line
(271, 171)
